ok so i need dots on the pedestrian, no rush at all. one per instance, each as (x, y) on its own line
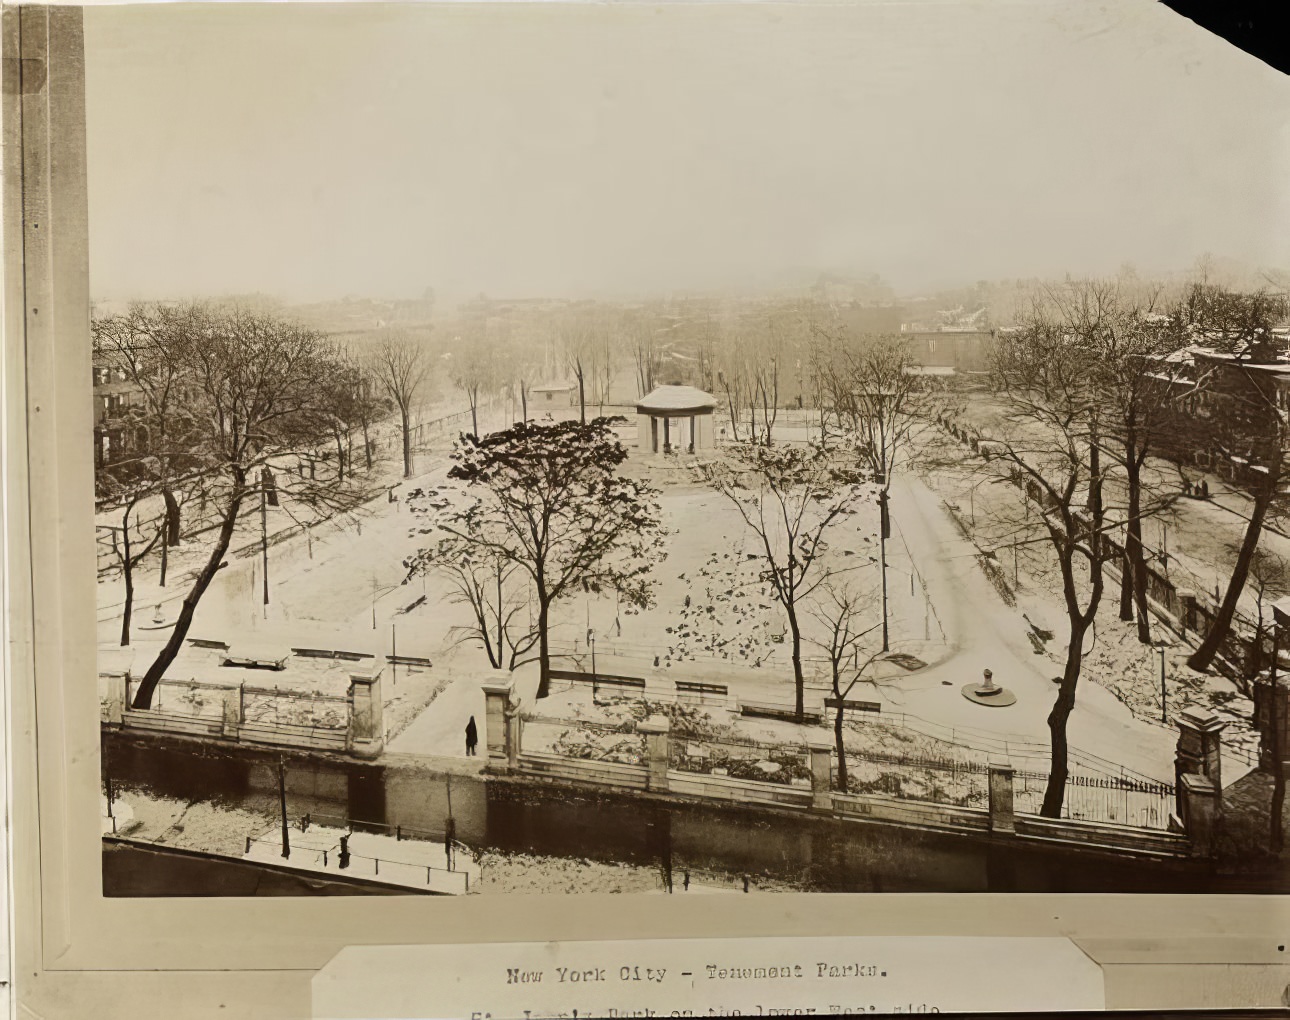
(472, 736)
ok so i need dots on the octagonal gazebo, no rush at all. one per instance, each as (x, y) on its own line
(675, 419)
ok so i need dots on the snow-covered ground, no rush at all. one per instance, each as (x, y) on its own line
(1124, 674)
(344, 587)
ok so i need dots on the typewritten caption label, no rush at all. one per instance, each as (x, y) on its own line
(854, 976)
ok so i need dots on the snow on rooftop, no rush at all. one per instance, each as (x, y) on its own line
(676, 398)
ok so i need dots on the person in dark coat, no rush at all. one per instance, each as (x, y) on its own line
(472, 736)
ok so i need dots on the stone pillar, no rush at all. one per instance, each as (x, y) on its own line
(1187, 612)
(1199, 804)
(514, 733)
(231, 700)
(1199, 746)
(1002, 813)
(821, 775)
(498, 697)
(657, 751)
(366, 721)
(115, 708)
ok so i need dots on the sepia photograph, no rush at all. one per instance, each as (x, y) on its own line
(573, 449)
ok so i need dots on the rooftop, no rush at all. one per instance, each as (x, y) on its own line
(676, 399)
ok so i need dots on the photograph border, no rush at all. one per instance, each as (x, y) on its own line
(76, 949)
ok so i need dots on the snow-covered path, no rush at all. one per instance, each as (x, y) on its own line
(983, 633)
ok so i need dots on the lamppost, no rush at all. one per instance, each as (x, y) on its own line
(884, 531)
(1161, 647)
(377, 592)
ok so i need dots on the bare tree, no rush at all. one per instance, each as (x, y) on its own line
(1047, 379)
(878, 397)
(840, 609)
(473, 367)
(255, 390)
(1237, 332)
(143, 347)
(130, 552)
(790, 498)
(481, 577)
(402, 365)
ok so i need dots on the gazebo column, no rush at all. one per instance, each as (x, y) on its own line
(667, 435)
(693, 440)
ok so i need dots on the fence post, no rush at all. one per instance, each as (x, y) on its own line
(1002, 812)
(366, 724)
(821, 752)
(1187, 614)
(498, 723)
(657, 751)
(1199, 807)
(1200, 746)
(232, 712)
(117, 695)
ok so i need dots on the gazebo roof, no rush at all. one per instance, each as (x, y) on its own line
(676, 400)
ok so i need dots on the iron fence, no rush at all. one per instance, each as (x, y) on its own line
(783, 763)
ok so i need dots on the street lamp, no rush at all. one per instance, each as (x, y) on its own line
(1161, 647)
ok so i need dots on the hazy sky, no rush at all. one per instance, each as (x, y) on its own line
(315, 151)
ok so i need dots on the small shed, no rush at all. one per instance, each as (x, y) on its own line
(554, 394)
(675, 419)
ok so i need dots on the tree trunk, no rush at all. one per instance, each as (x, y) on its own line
(582, 398)
(1203, 657)
(544, 650)
(143, 697)
(1133, 545)
(127, 572)
(1055, 792)
(799, 681)
(340, 455)
(842, 751)
(1126, 583)
(173, 521)
(407, 442)
(524, 402)
(474, 415)
(367, 446)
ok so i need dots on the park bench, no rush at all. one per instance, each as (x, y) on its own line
(599, 679)
(767, 710)
(852, 705)
(221, 646)
(692, 689)
(329, 653)
(408, 660)
(251, 657)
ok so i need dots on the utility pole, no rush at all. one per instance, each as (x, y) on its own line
(1163, 715)
(282, 798)
(883, 531)
(264, 539)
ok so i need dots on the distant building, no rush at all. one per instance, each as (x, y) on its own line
(551, 395)
(675, 419)
(966, 351)
(115, 438)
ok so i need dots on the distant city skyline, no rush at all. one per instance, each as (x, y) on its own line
(614, 151)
